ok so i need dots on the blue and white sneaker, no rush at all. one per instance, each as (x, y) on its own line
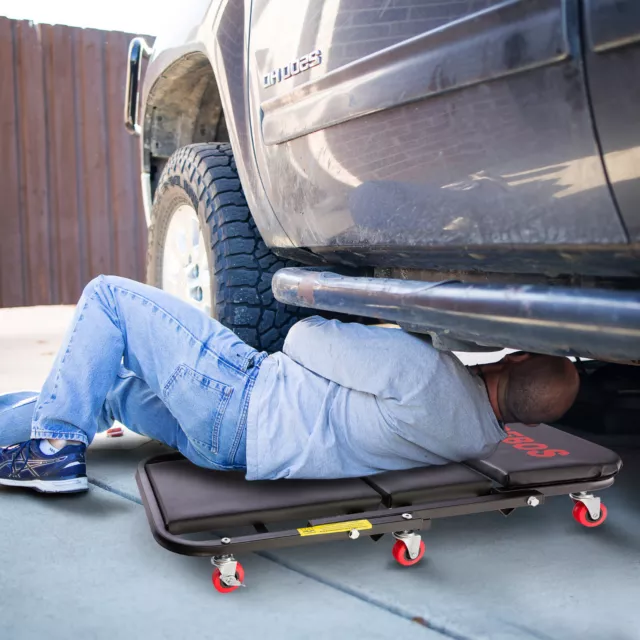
(25, 465)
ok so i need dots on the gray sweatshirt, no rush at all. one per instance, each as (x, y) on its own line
(345, 400)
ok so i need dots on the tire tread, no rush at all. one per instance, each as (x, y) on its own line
(243, 264)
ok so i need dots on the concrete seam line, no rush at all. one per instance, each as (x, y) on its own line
(122, 494)
(389, 608)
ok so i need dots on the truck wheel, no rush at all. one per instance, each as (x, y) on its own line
(204, 246)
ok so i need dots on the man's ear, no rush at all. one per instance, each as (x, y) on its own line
(519, 356)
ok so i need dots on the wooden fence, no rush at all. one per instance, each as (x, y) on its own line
(70, 203)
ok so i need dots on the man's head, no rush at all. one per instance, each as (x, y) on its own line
(531, 388)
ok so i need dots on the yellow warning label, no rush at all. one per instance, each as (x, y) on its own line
(335, 527)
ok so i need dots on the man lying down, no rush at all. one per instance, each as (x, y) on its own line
(340, 400)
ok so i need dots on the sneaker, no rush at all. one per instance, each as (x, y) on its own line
(24, 465)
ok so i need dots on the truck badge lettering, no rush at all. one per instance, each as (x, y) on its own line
(293, 68)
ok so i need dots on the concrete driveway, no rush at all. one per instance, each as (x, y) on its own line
(86, 566)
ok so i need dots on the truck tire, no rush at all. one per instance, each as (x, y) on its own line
(201, 226)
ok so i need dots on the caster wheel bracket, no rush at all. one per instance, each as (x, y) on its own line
(590, 501)
(411, 541)
(227, 565)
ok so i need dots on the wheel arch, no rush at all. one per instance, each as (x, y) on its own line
(208, 63)
(183, 107)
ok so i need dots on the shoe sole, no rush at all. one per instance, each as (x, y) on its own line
(73, 485)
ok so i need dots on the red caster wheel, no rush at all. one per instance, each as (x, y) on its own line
(581, 515)
(221, 586)
(402, 557)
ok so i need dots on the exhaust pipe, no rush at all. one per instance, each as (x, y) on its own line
(592, 323)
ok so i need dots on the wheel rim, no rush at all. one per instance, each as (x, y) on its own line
(185, 263)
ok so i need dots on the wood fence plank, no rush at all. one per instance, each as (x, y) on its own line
(94, 151)
(33, 157)
(12, 276)
(60, 99)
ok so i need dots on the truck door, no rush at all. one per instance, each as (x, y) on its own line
(411, 127)
(613, 68)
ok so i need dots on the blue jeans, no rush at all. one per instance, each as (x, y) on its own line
(136, 354)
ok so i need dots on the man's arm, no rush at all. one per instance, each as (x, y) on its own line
(370, 359)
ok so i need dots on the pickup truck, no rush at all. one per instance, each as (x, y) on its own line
(466, 169)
